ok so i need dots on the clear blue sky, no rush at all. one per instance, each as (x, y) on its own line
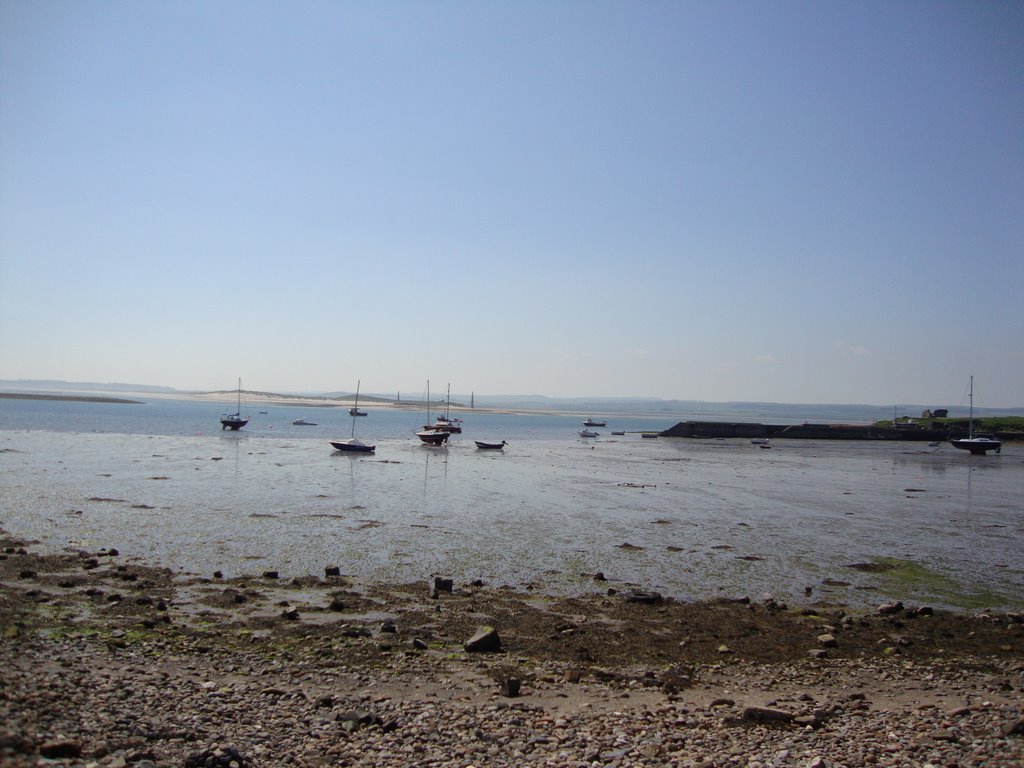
(787, 201)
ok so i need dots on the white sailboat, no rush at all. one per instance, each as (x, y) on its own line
(353, 444)
(235, 421)
(977, 445)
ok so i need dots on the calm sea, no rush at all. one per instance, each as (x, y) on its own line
(690, 518)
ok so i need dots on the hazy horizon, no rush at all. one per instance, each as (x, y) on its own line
(485, 399)
(787, 201)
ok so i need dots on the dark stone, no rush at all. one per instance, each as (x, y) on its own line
(443, 585)
(510, 687)
(218, 575)
(486, 640)
(337, 605)
(332, 570)
(1015, 728)
(419, 645)
(599, 576)
(270, 574)
(888, 609)
(645, 598)
(291, 614)
(767, 715)
(61, 748)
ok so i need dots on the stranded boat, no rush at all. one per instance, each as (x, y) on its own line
(235, 421)
(977, 445)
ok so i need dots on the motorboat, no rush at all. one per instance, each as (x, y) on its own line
(301, 422)
(356, 412)
(588, 433)
(490, 446)
(592, 422)
(446, 423)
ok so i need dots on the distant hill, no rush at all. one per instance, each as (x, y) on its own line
(678, 410)
(53, 385)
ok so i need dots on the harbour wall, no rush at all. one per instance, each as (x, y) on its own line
(711, 429)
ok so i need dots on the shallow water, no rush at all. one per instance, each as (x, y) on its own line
(689, 518)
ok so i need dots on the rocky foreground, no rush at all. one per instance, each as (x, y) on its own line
(111, 663)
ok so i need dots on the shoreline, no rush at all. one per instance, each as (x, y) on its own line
(327, 670)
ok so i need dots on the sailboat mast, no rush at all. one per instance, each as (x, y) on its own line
(970, 418)
(239, 395)
(355, 409)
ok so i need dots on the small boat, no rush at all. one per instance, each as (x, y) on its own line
(588, 433)
(592, 422)
(235, 421)
(648, 434)
(759, 441)
(301, 422)
(977, 445)
(490, 446)
(445, 423)
(356, 412)
(353, 445)
(618, 433)
(433, 436)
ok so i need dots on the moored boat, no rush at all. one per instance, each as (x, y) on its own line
(977, 445)
(235, 421)
(592, 422)
(431, 435)
(490, 446)
(353, 444)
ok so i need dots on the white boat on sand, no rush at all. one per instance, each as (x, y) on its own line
(977, 445)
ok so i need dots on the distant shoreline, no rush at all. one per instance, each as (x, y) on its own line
(69, 398)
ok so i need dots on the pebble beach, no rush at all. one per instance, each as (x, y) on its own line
(112, 663)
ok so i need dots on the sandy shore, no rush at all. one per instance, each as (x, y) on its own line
(112, 663)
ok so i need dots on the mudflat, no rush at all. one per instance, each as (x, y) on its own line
(105, 662)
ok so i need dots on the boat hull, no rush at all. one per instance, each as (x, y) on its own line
(353, 446)
(490, 446)
(978, 446)
(433, 437)
(232, 423)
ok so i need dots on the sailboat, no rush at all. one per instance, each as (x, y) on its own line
(432, 435)
(354, 410)
(353, 444)
(979, 445)
(446, 423)
(235, 421)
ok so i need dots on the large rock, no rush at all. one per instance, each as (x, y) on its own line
(486, 640)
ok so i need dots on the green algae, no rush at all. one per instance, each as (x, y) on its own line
(908, 577)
